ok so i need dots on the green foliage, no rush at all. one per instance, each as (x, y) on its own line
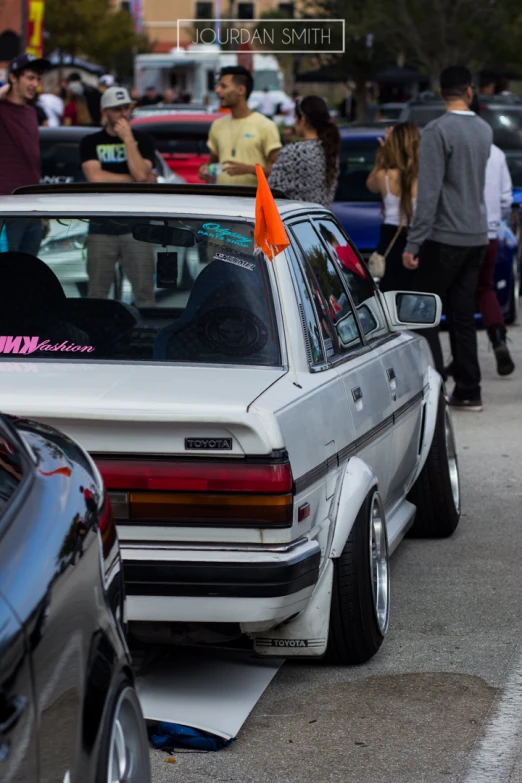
(91, 29)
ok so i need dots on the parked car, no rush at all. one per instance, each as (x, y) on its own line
(181, 139)
(390, 111)
(359, 211)
(68, 706)
(60, 155)
(260, 435)
(174, 108)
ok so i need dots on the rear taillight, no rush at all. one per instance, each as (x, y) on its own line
(201, 493)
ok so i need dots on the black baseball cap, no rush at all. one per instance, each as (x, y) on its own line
(28, 61)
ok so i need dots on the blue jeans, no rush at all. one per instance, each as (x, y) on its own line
(24, 235)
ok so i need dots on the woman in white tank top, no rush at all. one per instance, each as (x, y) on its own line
(395, 177)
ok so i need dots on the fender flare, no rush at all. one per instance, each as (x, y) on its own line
(357, 481)
(431, 406)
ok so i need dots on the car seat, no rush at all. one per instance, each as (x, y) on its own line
(106, 321)
(227, 319)
(32, 301)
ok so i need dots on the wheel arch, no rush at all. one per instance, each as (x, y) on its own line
(357, 481)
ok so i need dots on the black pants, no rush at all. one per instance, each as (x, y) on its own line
(452, 273)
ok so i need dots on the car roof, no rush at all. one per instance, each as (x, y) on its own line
(64, 132)
(135, 203)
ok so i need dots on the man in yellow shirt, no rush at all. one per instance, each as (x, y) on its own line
(242, 138)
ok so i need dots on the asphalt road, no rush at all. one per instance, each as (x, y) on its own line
(442, 701)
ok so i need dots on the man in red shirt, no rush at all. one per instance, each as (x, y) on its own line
(20, 146)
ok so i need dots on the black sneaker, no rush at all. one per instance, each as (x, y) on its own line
(473, 404)
(505, 364)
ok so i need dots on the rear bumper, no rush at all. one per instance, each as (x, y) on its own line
(257, 583)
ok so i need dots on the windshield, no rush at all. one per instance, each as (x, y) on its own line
(136, 289)
(357, 160)
(507, 127)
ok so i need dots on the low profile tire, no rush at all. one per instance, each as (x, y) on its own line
(436, 493)
(360, 609)
(124, 756)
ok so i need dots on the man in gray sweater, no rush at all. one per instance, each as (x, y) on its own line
(450, 228)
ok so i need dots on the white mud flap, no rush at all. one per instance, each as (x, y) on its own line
(307, 634)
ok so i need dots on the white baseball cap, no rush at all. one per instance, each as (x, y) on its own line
(107, 80)
(115, 96)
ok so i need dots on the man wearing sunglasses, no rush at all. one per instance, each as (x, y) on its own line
(118, 154)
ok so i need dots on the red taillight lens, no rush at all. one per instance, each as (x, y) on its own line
(196, 477)
(203, 493)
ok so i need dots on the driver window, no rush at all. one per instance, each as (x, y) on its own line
(357, 279)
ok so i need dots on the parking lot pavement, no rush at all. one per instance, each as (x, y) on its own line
(440, 703)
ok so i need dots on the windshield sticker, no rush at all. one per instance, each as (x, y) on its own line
(26, 345)
(236, 261)
(216, 231)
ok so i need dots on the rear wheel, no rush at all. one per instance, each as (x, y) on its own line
(124, 756)
(436, 493)
(360, 608)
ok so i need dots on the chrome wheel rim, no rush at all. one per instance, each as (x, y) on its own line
(516, 291)
(380, 572)
(128, 749)
(453, 465)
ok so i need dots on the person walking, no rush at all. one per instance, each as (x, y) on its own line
(267, 104)
(91, 95)
(395, 177)
(117, 153)
(499, 197)
(308, 170)
(451, 227)
(76, 110)
(242, 138)
(20, 145)
(52, 105)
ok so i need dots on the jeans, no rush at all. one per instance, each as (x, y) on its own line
(452, 273)
(24, 236)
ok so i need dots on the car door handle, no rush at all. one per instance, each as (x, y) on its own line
(357, 394)
(390, 372)
(10, 713)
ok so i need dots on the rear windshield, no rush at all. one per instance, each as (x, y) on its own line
(135, 289)
(514, 161)
(357, 160)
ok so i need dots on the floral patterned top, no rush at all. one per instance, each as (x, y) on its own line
(300, 171)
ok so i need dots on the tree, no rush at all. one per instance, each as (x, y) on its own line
(91, 29)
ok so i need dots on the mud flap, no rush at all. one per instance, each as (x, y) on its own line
(307, 634)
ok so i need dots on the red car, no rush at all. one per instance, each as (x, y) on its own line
(181, 139)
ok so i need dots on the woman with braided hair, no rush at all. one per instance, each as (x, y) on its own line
(308, 170)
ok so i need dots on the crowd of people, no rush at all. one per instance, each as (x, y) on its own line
(443, 193)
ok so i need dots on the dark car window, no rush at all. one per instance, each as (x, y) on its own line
(10, 470)
(339, 326)
(421, 115)
(507, 126)
(60, 161)
(356, 278)
(178, 137)
(357, 160)
(514, 161)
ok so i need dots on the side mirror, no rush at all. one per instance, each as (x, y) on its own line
(412, 310)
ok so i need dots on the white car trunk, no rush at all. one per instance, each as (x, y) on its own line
(144, 409)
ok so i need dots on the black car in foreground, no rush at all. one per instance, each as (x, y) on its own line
(68, 708)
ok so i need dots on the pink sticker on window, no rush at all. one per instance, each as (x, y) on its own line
(26, 345)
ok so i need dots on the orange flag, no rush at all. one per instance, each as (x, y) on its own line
(269, 232)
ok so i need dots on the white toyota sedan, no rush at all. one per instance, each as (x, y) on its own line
(267, 436)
